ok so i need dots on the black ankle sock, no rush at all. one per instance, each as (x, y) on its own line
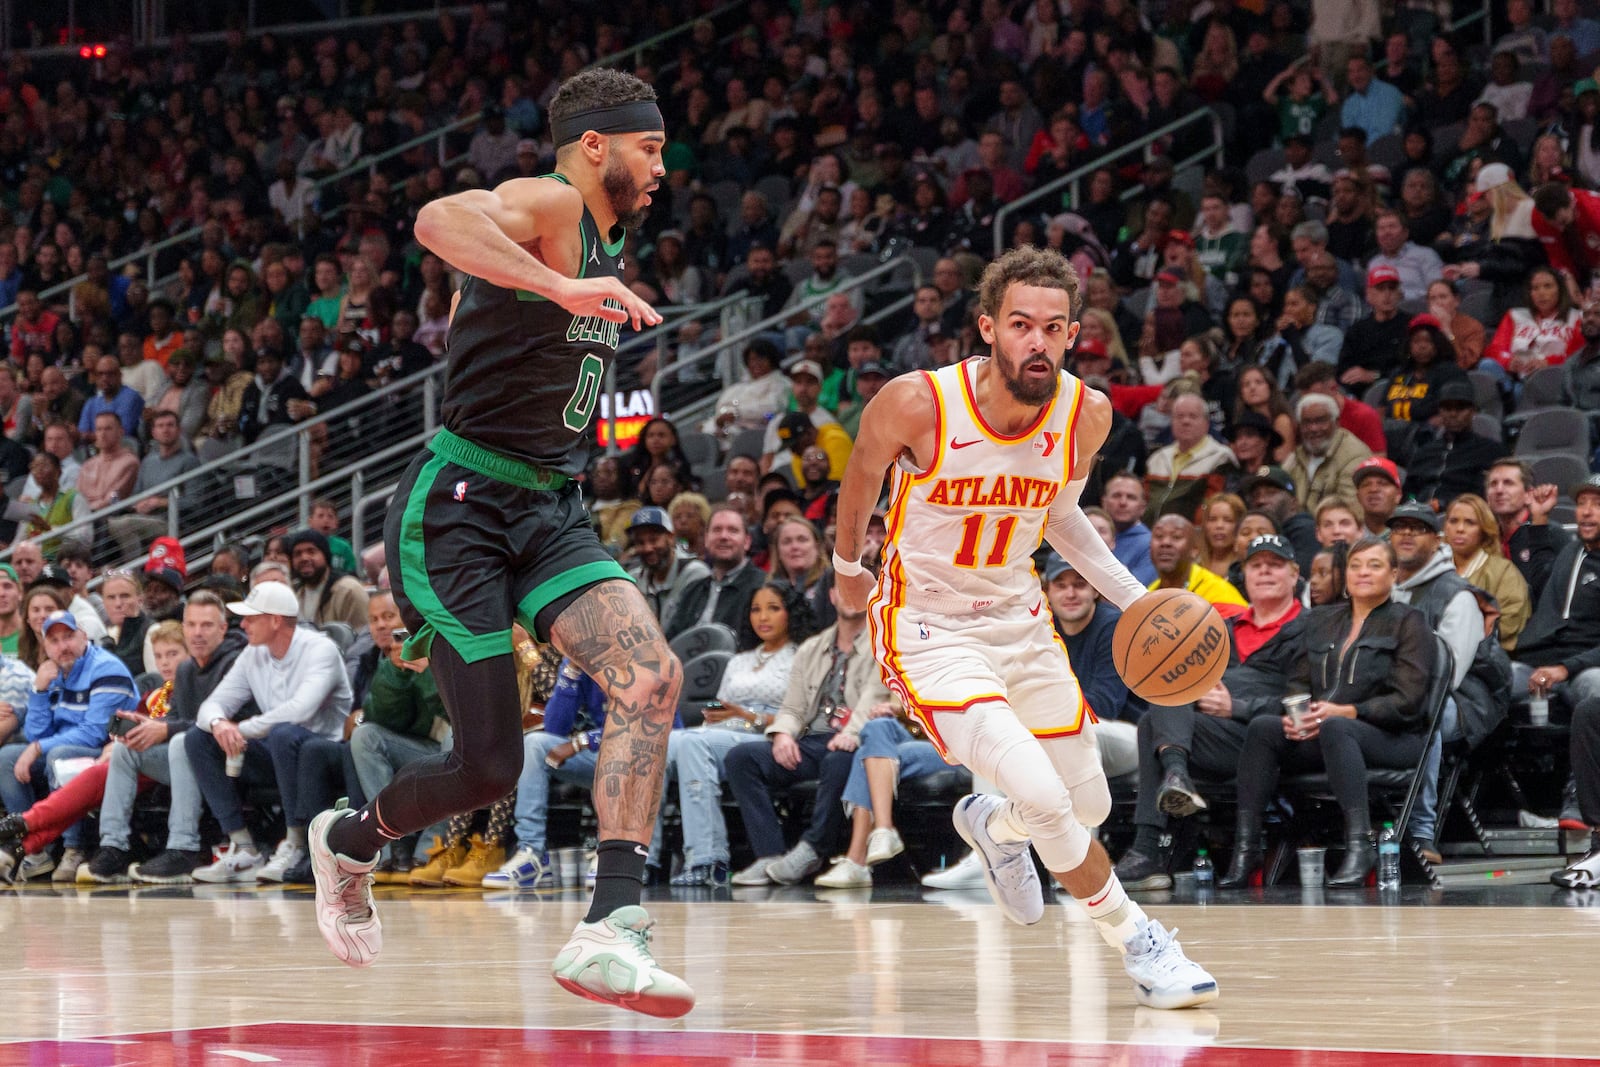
(1174, 759)
(618, 878)
(361, 838)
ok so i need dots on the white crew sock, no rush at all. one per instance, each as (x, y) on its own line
(1115, 916)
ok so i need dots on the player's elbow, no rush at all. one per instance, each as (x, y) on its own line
(430, 222)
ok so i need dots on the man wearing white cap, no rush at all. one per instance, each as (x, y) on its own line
(286, 690)
(77, 691)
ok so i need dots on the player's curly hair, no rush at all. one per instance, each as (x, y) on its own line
(599, 87)
(1027, 266)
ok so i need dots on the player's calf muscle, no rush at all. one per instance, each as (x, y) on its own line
(611, 635)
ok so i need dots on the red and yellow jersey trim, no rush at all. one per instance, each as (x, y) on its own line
(971, 400)
(939, 422)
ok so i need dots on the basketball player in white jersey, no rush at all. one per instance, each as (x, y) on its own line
(988, 456)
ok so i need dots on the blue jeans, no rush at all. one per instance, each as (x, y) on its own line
(308, 769)
(168, 764)
(696, 756)
(20, 796)
(1425, 816)
(377, 752)
(753, 775)
(533, 785)
(886, 738)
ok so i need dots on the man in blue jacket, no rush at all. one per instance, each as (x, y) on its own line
(77, 691)
(1085, 623)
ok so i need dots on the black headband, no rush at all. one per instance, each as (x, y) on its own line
(634, 117)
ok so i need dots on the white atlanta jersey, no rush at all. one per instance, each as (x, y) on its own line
(961, 532)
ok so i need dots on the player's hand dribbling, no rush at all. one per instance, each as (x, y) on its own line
(588, 296)
(854, 590)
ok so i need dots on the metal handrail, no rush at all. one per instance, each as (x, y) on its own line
(695, 410)
(1072, 177)
(712, 351)
(366, 163)
(1467, 20)
(425, 378)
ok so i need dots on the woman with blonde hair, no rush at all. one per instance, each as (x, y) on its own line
(1473, 534)
(1097, 322)
(1220, 516)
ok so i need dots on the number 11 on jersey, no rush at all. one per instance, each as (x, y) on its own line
(972, 533)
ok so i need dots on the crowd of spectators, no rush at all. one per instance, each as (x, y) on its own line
(1347, 357)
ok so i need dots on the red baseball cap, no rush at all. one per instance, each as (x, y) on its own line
(1425, 319)
(1180, 236)
(1171, 277)
(1376, 465)
(1383, 274)
(1090, 348)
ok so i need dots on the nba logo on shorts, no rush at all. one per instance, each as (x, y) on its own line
(461, 491)
(923, 632)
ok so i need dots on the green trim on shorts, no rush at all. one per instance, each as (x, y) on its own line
(491, 464)
(418, 587)
(551, 590)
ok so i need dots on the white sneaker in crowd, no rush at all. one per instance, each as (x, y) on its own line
(285, 857)
(234, 863)
(967, 874)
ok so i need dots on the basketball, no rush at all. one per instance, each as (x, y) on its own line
(1170, 646)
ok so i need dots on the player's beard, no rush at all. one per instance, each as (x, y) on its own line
(1025, 390)
(623, 192)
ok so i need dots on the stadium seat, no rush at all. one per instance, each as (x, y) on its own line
(1555, 430)
(707, 637)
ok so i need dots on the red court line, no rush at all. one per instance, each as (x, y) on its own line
(323, 1045)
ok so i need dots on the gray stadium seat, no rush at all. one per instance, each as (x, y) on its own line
(1487, 390)
(707, 637)
(1560, 469)
(701, 448)
(1555, 430)
(1487, 426)
(748, 443)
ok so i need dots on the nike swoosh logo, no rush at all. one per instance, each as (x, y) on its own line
(1034, 611)
(965, 444)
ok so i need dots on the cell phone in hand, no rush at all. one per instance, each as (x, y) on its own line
(120, 726)
(400, 636)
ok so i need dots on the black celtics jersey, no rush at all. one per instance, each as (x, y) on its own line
(525, 375)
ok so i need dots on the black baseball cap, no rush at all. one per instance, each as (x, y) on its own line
(1271, 544)
(1411, 511)
(1274, 476)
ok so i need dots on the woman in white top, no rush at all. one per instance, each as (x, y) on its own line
(752, 690)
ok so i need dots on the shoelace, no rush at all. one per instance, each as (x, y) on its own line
(356, 906)
(1163, 950)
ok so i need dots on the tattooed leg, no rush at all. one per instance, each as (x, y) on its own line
(613, 637)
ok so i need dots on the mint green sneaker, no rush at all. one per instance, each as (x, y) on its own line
(610, 961)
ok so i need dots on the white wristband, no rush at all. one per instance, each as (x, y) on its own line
(847, 568)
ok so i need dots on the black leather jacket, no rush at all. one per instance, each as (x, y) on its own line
(1384, 672)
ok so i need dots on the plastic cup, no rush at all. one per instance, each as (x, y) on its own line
(235, 765)
(1313, 865)
(1297, 705)
(569, 866)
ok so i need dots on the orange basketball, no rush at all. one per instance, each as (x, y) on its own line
(1170, 646)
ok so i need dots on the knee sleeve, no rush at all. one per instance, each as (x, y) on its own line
(1091, 802)
(994, 745)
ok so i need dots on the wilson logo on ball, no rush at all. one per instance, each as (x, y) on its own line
(1170, 646)
(1201, 654)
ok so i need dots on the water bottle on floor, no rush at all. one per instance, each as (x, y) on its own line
(1204, 871)
(1388, 858)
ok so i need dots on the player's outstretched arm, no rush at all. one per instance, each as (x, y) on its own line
(1069, 531)
(482, 232)
(900, 418)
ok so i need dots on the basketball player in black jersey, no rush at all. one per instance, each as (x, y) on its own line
(488, 527)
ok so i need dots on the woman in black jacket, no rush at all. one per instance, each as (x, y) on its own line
(1366, 664)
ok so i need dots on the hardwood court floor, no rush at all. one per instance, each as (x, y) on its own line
(213, 975)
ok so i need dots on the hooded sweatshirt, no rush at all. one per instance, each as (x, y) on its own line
(1459, 620)
(194, 683)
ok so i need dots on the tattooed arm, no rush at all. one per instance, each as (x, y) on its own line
(610, 633)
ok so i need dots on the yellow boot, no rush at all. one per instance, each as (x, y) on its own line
(482, 858)
(440, 859)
